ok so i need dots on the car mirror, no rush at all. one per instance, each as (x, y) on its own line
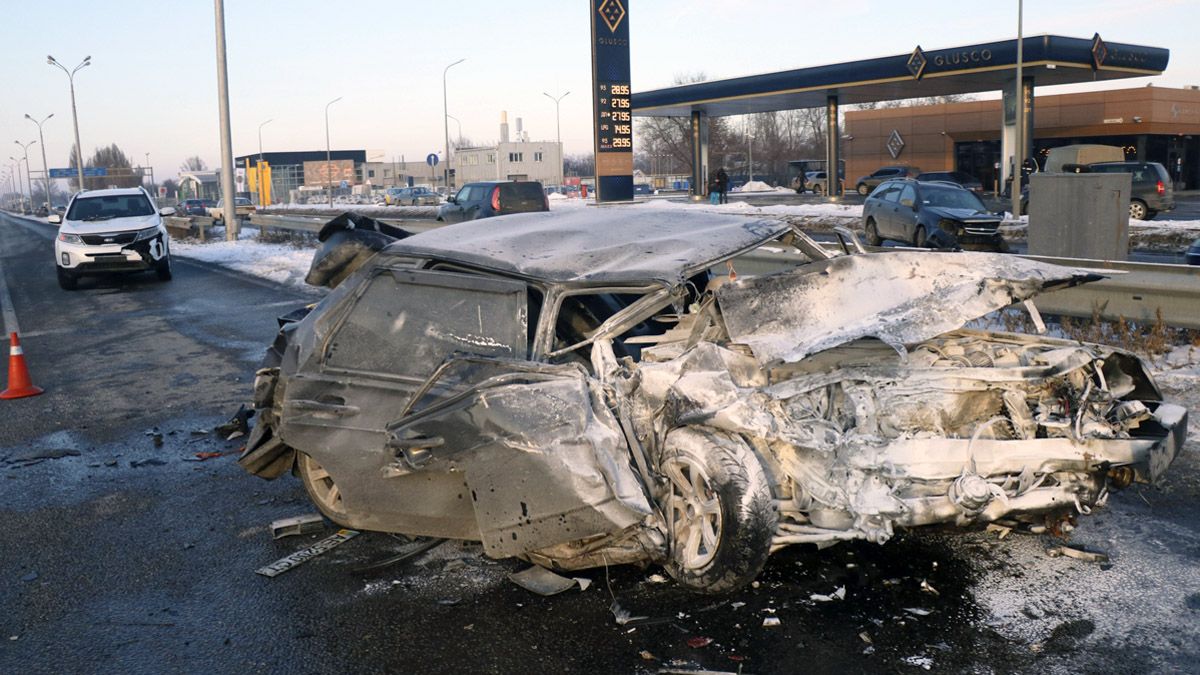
(169, 211)
(452, 200)
(54, 219)
(906, 202)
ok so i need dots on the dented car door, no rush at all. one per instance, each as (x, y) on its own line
(387, 339)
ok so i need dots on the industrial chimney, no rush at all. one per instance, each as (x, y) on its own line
(504, 126)
(520, 135)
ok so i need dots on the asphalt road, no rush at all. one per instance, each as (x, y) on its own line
(119, 555)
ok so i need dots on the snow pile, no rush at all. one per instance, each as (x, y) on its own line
(281, 263)
(759, 186)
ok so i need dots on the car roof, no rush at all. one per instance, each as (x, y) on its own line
(108, 192)
(616, 244)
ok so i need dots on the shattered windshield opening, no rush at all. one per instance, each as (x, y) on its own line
(952, 199)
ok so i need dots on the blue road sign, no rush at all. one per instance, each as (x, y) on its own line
(95, 171)
(62, 173)
(432, 159)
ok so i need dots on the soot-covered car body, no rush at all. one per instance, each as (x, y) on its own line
(590, 388)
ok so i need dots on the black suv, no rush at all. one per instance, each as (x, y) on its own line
(493, 198)
(941, 215)
(865, 184)
(1151, 192)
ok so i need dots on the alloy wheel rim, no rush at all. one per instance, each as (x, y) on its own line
(324, 489)
(693, 512)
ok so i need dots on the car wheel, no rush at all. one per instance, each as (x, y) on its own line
(863, 189)
(163, 268)
(721, 515)
(1137, 210)
(321, 488)
(817, 190)
(66, 280)
(872, 232)
(920, 239)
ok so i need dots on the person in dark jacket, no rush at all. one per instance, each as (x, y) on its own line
(723, 185)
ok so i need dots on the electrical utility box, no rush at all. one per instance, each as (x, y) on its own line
(1079, 215)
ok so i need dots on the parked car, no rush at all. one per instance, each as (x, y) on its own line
(107, 231)
(818, 182)
(493, 198)
(959, 178)
(411, 196)
(643, 189)
(242, 206)
(568, 398)
(940, 215)
(193, 207)
(1151, 190)
(1193, 253)
(866, 184)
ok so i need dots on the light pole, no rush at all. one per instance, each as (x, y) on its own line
(446, 125)
(750, 153)
(228, 193)
(459, 123)
(28, 184)
(87, 61)
(260, 152)
(152, 186)
(328, 161)
(558, 130)
(45, 167)
(20, 188)
(1019, 151)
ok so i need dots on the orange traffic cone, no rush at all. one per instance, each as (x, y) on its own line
(19, 384)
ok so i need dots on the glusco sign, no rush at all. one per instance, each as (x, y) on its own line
(963, 57)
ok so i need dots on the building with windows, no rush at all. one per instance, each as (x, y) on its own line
(287, 169)
(1156, 124)
(521, 160)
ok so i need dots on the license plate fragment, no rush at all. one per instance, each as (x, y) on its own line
(304, 555)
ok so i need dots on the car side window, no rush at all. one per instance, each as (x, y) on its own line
(406, 322)
(891, 194)
(908, 193)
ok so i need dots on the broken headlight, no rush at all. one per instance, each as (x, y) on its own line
(148, 233)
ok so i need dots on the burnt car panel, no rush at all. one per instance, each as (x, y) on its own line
(658, 413)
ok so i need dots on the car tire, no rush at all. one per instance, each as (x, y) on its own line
(872, 232)
(817, 190)
(721, 514)
(66, 280)
(163, 268)
(321, 489)
(863, 189)
(920, 238)
(1138, 210)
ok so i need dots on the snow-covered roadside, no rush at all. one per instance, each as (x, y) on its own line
(281, 263)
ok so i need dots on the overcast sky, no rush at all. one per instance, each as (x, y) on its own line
(152, 83)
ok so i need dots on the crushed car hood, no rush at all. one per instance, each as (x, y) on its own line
(899, 297)
(964, 215)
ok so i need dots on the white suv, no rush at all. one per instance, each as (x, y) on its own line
(107, 231)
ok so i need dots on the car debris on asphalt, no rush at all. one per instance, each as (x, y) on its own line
(304, 555)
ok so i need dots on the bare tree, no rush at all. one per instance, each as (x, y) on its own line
(193, 163)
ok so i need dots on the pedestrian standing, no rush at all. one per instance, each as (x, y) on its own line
(723, 185)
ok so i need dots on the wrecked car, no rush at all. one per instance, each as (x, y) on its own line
(596, 387)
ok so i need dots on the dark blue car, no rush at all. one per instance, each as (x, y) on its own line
(938, 215)
(1193, 253)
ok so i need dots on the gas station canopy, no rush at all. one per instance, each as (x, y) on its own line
(1048, 60)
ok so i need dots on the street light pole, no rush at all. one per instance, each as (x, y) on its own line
(87, 61)
(260, 152)
(228, 193)
(28, 182)
(20, 188)
(459, 123)
(328, 161)
(750, 153)
(45, 167)
(1019, 153)
(446, 125)
(558, 131)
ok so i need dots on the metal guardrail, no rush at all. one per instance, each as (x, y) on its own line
(1140, 292)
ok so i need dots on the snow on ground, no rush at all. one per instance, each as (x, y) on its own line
(759, 186)
(282, 263)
